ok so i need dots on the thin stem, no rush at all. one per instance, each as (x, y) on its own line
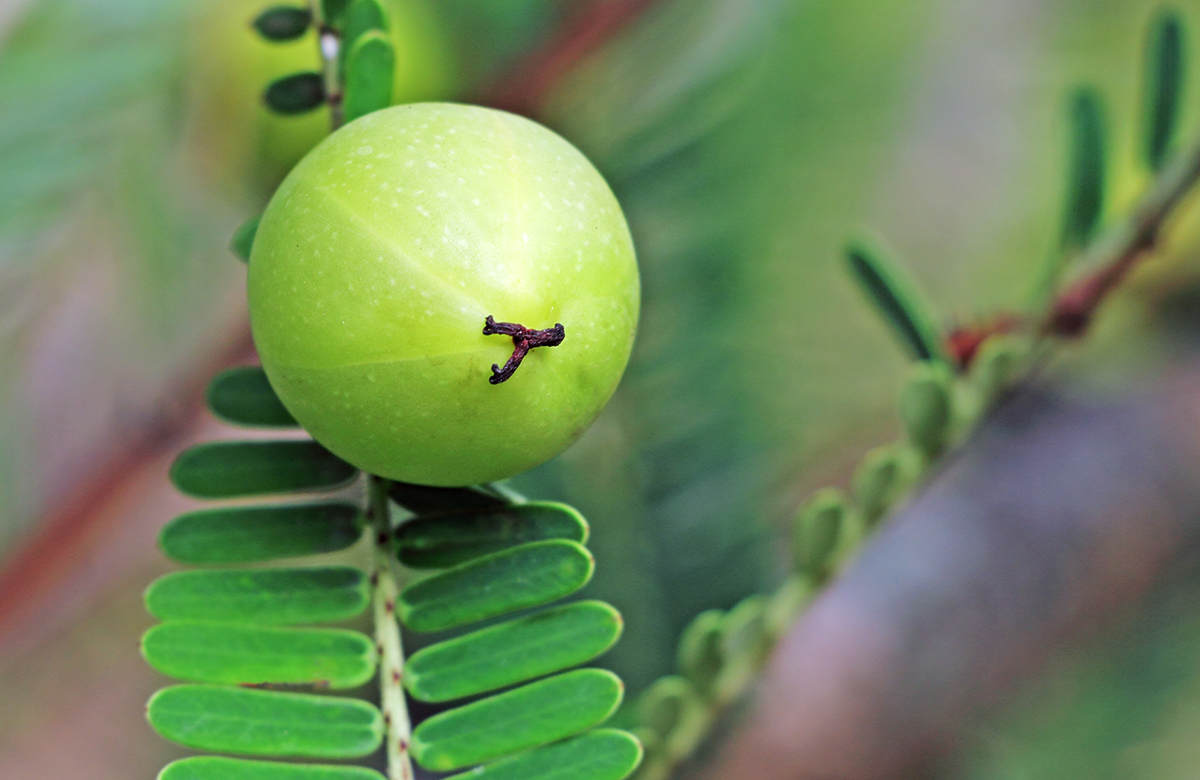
(329, 43)
(398, 728)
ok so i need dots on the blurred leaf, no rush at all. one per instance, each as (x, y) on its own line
(448, 540)
(661, 707)
(518, 578)
(424, 500)
(243, 238)
(221, 768)
(295, 94)
(260, 533)
(283, 22)
(1165, 64)
(535, 714)
(362, 17)
(230, 469)
(212, 652)
(369, 68)
(887, 286)
(603, 754)
(1086, 172)
(512, 652)
(243, 396)
(817, 529)
(925, 407)
(262, 597)
(265, 723)
(700, 650)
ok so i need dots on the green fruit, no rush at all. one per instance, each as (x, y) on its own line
(382, 254)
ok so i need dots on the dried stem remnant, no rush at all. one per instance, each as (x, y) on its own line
(524, 339)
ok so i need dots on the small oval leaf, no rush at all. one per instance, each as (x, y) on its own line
(535, 714)
(926, 407)
(370, 67)
(880, 479)
(438, 542)
(512, 652)
(222, 768)
(817, 529)
(243, 238)
(231, 469)
(283, 23)
(1086, 172)
(1164, 86)
(888, 287)
(261, 596)
(295, 94)
(260, 533)
(603, 754)
(265, 723)
(425, 500)
(243, 396)
(234, 654)
(699, 654)
(521, 577)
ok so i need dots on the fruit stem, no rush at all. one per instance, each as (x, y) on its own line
(524, 339)
(328, 42)
(397, 727)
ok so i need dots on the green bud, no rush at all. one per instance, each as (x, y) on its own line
(880, 478)
(817, 529)
(926, 407)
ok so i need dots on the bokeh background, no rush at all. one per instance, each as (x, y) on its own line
(746, 140)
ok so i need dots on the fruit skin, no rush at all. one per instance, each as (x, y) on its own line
(379, 258)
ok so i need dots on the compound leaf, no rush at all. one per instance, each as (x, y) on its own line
(236, 654)
(222, 768)
(265, 723)
(243, 238)
(261, 596)
(283, 22)
(535, 714)
(295, 94)
(521, 577)
(888, 287)
(370, 67)
(230, 469)
(424, 500)
(1164, 86)
(438, 542)
(260, 533)
(243, 396)
(603, 754)
(512, 652)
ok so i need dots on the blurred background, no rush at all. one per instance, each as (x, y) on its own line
(746, 140)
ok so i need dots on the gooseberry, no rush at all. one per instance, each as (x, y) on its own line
(410, 279)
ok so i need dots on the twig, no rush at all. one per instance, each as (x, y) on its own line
(329, 43)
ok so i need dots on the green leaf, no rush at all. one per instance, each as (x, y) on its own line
(743, 646)
(283, 23)
(370, 66)
(497, 584)
(512, 652)
(424, 500)
(222, 768)
(260, 533)
(700, 650)
(234, 654)
(1164, 86)
(879, 479)
(603, 754)
(925, 407)
(243, 396)
(243, 238)
(362, 17)
(996, 364)
(230, 469)
(295, 94)
(261, 596)
(817, 529)
(1086, 172)
(448, 540)
(662, 706)
(888, 287)
(265, 723)
(535, 714)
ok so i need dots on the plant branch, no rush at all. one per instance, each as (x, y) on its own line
(329, 43)
(1121, 248)
(398, 728)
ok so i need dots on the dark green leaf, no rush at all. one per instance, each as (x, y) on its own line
(1086, 172)
(448, 540)
(424, 500)
(817, 529)
(497, 584)
(235, 654)
(925, 407)
(230, 469)
(1164, 86)
(894, 295)
(243, 238)
(260, 533)
(362, 17)
(535, 714)
(700, 650)
(295, 94)
(243, 396)
(512, 652)
(283, 23)
(370, 66)
(221, 768)
(265, 723)
(261, 596)
(603, 754)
